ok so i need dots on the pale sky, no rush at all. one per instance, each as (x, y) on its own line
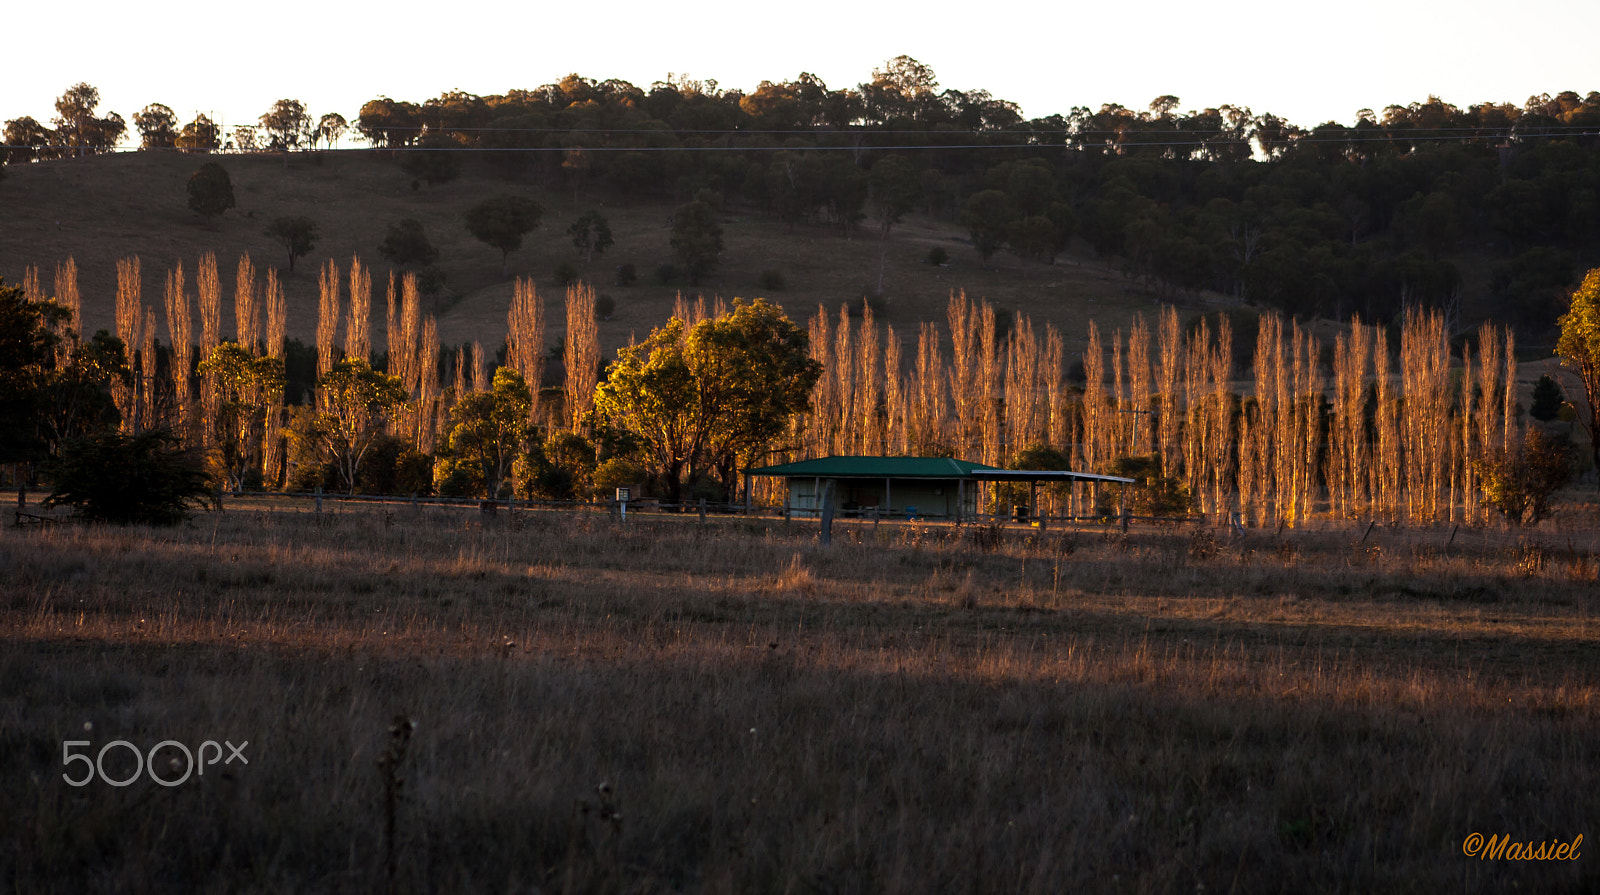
(1308, 63)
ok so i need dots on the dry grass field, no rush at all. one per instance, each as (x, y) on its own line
(100, 209)
(731, 707)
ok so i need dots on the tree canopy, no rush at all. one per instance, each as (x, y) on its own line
(697, 239)
(1579, 347)
(406, 245)
(501, 222)
(210, 190)
(701, 399)
(297, 234)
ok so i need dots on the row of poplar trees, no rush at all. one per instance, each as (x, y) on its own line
(1383, 427)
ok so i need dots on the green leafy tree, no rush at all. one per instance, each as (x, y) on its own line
(562, 468)
(501, 222)
(77, 395)
(1579, 348)
(247, 386)
(407, 245)
(158, 127)
(210, 190)
(1519, 483)
(145, 479)
(697, 239)
(297, 234)
(488, 433)
(27, 351)
(355, 403)
(434, 160)
(1547, 399)
(591, 235)
(700, 401)
(987, 216)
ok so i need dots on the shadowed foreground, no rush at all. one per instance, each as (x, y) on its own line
(900, 712)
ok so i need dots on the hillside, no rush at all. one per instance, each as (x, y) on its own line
(103, 208)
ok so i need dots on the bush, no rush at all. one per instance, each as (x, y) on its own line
(604, 306)
(1519, 482)
(1547, 399)
(938, 257)
(627, 274)
(394, 466)
(566, 273)
(666, 274)
(146, 479)
(614, 474)
(772, 280)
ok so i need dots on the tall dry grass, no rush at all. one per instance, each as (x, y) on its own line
(905, 711)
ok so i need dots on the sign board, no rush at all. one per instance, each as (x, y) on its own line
(623, 495)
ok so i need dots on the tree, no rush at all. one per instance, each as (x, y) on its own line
(287, 125)
(407, 245)
(1547, 399)
(77, 399)
(78, 129)
(297, 234)
(697, 239)
(388, 124)
(200, 135)
(29, 140)
(158, 127)
(356, 402)
(434, 160)
(988, 216)
(331, 127)
(210, 190)
(145, 479)
(1579, 348)
(591, 234)
(488, 433)
(501, 222)
(699, 402)
(1519, 482)
(895, 190)
(27, 351)
(246, 386)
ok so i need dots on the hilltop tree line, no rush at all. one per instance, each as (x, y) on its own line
(1398, 423)
(1334, 219)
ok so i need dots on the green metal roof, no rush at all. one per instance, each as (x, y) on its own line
(876, 468)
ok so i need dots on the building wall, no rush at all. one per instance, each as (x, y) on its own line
(932, 498)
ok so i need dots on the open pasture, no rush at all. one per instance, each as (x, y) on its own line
(730, 707)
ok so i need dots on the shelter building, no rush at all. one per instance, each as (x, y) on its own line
(913, 487)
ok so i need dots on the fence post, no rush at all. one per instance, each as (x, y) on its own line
(702, 511)
(319, 500)
(827, 514)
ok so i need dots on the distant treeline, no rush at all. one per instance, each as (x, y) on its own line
(1333, 219)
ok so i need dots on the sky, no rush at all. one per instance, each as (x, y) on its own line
(1308, 63)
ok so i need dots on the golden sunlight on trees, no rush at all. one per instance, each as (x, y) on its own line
(356, 403)
(707, 397)
(1579, 348)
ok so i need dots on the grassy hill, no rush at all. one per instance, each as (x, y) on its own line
(100, 209)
